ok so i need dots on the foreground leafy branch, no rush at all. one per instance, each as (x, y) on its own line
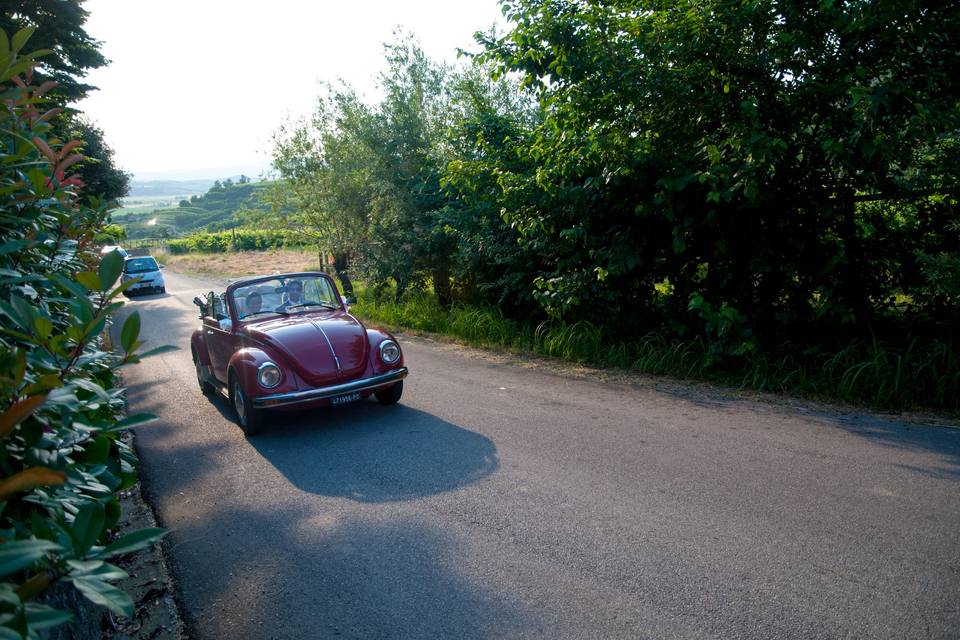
(62, 459)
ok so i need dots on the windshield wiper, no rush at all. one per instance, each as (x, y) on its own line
(312, 304)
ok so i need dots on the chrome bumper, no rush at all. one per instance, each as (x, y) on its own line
(298, 397)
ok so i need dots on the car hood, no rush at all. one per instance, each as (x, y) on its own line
(322, 348)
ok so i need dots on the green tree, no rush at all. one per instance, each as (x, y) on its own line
(60, 29)
(325, 184)
(722, 152)
(99, 172)
(407, 138)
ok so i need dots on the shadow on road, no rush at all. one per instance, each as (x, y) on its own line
(942, 441)
(352, 578)
(885, 431)
(371, 453)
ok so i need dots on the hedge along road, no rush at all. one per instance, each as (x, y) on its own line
(506, 501)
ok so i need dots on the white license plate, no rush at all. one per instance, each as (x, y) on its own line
(345, 399)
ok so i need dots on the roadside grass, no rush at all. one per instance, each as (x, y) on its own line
(865, 372)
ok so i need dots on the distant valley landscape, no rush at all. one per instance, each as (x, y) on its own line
(169, 208)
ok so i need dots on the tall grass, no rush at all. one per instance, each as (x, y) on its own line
(871, 372)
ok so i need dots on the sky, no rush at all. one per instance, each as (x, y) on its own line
(195, 89)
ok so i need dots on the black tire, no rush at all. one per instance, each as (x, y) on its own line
(163, 289)
(390, 395)
(202, 380)
(249, 419)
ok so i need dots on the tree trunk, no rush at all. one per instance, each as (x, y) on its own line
(341, 265)
(401, 288)
(853, 288)
(441, 285)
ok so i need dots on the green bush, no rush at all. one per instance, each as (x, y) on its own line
(235, 240)
(62, 460)
(924, 373)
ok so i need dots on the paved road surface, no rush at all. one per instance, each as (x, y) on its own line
(499, 501)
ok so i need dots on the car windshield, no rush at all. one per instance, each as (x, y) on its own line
(140, 265)
(285, 296)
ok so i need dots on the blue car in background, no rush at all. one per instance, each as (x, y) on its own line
(146, 269)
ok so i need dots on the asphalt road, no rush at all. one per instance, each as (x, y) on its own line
(500, 501)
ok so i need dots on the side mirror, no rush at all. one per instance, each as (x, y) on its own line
(162, 267)
(199, 302)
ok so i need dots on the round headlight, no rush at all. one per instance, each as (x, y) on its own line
(389, 351)
(268, 375)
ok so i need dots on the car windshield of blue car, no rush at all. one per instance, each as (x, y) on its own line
(140, 265)
(285, 296)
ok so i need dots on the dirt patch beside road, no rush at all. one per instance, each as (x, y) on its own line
(241, 263)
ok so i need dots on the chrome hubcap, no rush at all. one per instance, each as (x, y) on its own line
(239, 404)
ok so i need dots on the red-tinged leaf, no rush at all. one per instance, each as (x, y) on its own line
(43, 88)
(70, 146)
(64, 164)
(45, 148)
(30, 479)
(18, 413)
(73, 181)
(49, 114)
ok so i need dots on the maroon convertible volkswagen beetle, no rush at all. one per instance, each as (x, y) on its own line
(288, 341)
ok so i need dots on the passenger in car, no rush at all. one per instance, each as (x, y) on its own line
(252, 304)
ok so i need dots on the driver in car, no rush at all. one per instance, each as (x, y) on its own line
(294, 295)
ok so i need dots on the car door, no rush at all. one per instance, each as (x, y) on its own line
(219, 340)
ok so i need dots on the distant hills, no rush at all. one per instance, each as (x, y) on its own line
(148, 188)
(171, 208)
(151, 188)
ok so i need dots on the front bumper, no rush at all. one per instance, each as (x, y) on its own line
(299, 397)
(149, 284)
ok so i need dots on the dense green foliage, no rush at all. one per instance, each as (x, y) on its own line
(224, 205)
(884, 374)
(730, 151)
(235, 240)
(774, 181)
(100, 175)
(62, 460)
(59, 29)
(71, 54)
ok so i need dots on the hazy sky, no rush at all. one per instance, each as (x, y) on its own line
(195, 88)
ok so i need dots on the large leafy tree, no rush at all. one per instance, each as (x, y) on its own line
(59, 29)
(325, 179)
(98, 171)
(709, 161)
(491, 122)
(365, 179)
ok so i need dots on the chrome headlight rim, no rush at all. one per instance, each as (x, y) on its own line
(266, 368)
(389, 344)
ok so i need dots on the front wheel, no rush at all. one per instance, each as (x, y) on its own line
(249, 418)
(202, 378)
(390, 395)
